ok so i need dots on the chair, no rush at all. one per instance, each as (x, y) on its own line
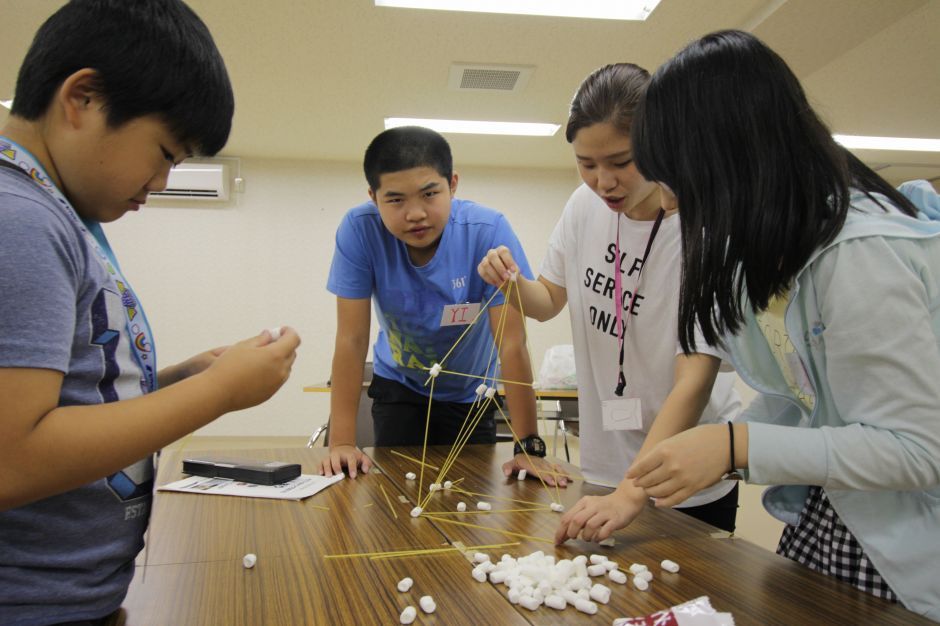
(565, 415)
(365, 436)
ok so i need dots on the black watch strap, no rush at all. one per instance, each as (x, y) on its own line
(533, 445)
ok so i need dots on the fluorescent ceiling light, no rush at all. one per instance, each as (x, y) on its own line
(7, 103)
(915, 144)
(598, 9)
(476, 128)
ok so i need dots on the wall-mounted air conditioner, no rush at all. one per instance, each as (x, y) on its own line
(196, 181)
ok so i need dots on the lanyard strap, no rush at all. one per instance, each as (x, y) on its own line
(139, 335)
(618, 289)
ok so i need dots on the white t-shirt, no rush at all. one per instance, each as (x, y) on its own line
(580, 258)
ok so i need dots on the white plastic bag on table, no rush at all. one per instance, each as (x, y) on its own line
(558, 369)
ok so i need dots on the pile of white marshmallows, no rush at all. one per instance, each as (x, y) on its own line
(538, 579)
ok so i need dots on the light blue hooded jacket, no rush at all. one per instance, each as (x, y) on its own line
(864, 317)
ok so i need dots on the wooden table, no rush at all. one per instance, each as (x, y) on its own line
(755, 585)
(195, 575)
(540, 394)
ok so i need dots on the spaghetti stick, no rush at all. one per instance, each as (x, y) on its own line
(411, 458)
(495, 530)
(489, 497)
(540, 508)
(356, 555)
(388, 500)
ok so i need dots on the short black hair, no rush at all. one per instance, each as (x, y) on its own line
(761, 184)
(406, 147)
(609, 94)
(152, 57)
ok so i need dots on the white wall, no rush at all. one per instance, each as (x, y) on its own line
(211, 274)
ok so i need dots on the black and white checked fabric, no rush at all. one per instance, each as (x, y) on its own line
(821, 542)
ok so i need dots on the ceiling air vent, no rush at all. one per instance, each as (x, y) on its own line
(475, 77)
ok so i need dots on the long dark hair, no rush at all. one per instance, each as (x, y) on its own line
(609, 94)
(760, 182)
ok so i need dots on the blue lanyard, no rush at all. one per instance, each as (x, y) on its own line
(138, 329)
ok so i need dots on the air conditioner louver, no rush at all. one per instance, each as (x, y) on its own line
(196, 181)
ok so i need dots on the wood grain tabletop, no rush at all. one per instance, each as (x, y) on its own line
(755, 585)
(306, 574)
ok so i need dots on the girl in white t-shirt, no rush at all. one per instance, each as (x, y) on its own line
(614, 259)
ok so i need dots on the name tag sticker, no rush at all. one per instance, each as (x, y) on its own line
(460, 314)
(622, 414)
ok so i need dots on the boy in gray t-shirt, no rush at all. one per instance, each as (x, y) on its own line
(111, 94)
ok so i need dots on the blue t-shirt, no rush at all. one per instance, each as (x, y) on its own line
(69, 557)
(409, 301)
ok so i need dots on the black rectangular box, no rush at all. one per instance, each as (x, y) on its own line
(244, 470)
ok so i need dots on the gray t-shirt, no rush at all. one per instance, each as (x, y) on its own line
(68, 557)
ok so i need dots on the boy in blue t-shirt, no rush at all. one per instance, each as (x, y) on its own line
(413, 250)
(110, 95)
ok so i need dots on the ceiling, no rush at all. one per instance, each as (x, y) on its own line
(314, 78)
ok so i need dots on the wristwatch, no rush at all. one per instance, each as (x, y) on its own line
(533, 445)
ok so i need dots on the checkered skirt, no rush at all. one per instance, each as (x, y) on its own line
(821, 542)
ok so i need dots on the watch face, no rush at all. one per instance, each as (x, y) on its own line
(533, 445)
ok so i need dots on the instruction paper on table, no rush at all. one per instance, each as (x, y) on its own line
(299, 488)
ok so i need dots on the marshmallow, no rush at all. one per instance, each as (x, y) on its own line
(408, 615)
(530, 602)
(636, 568)
(427, 604)
(435, 370)
(558, 507)
(600, 593)
(415, 512)
(249, 560)
(478, 574)
(434, 487)
(670, 566)
(405, 584)
(498, 577)
(513, 276)
(645, 575)
(617, 576)
(514, 595)
(448, 484)
(410, 475)
(491, 392)
(484, 506)
(479, 557)
(522, 474)
(481, 389)
(275, 333)
(586, 606)
(596, 570)
(555, 601)
(611, 566)
(461, 506)
(597, 559)
(641, 583)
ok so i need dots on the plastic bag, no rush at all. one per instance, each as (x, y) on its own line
(698, 612)
(558, 369)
